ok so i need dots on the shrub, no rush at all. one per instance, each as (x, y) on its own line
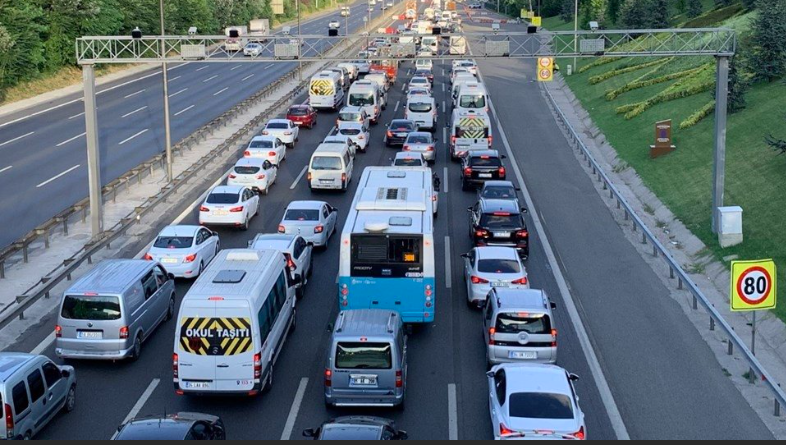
(698, 116)
(594, 80)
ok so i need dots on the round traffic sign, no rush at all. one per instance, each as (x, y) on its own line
(545, 62)
(545, 74)
(754, 285)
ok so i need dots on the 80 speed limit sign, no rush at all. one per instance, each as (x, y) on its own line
(753, 285)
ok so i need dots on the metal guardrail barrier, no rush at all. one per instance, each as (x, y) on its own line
(684, 282)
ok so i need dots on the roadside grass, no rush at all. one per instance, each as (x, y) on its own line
(556, 24)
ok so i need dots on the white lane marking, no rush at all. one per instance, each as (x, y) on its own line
(16, 139)
(443, 88)
(174, 78)
(210, 78)
(5, 169)
(203, 68)
(134, 94)
(586, 346)
(299, 177)
(233, 69)
(445, 180)
(184, 110)
(142, 400)
(269, 65)
(397, 105)
(134, 136)
(69, 140)
(290, 425)
(175, 94)
(219, 92)
(44, 345)
(58, 176)
(452, 412)
(247, 77)
(444, 106)
(76, 115)
(133, 112)
(445, 136)
(448, 270)
(403, 86)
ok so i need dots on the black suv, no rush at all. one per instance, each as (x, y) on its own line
(397, 133)
(180, 426)
(479, 166)
(357, 428)
(499, 222)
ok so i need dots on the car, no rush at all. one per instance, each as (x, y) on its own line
(425, 72)
(418, 91)
(178, 426)
(302, 116)
(397, 132)
(185, 250)
(407, 159)
(425, 52)
(284, 129)
(489, 266)
(358, 133)
(498, 222)
(373, 51)
(363, 66)
(313, 220)
(266, 147)
(422, 142)
(341, 140)
(229, 205)
(353, 114)
(499, 190)
(258, 174)
(345, 12)
(252, 50)
(351, 68)
(424, 63)
(534, 401)
(456, 72)
(475, 6)
(420, 82)
(469, 65)
(296, 249)
(479, 166)
(389, 4)
(334, 24)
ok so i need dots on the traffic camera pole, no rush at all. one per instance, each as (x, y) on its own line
(167, 129)
(299, 44)
(93, 154)
(719, 167)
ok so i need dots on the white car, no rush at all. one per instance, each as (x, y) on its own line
(184, 251)
(266, 147)
(468, 65)
(284, 129)
(313, 220)
(229, 205)
(353, 114)
(334, 24)
(423, 143)
(298, 251)
(419, 82)
(252, 49)
(255, 173)
(418, 91)
(424, 64)
(342, 140)
(363, 66)
(407, 159)
(487, 267)
(358, 133)
(533, 401)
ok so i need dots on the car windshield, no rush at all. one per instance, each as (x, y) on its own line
(363, 356)
(277, 126)
(518, 322)
(496, 221)
(361, 99)
(472, 101)
(298, 112)
(419, 107)
(173, 242)
(498, 266)
(349, 131)
(261, 144)
(485, 161)
(223, 198)
(326, 163)
(84, 307)
(349, 116)
(540, 406)
(499, 192)
(418, 139)
(302, 215)
(419, 92)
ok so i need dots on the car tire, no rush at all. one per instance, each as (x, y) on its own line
(70, 402)
(244, 227)
(293, 326)
(170, 310)
(137, 350)
(267, 189)
(28, 436)
(201, 269)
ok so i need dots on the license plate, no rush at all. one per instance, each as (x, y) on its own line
(325, 181)
(401, 135)
(501, 234)
(484, 175)
(298, 123)
(90, 335)
(364, 380)
(196, 385)
(523, 355)
(169, 260)
(220, 212)
(500, 284)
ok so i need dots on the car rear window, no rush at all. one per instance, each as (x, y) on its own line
(298, 112)
(222, 198)
(419, 107)
(494, 192)
(349, 131)
(498, 266)
(173, 242)
(408, 163)
(277, 126)
(84, 307)
(326, 163)
(302, 215)
(500, 221)
(517, 322)
(417, 139)
(361, 99)
(246, 170)
(419, 80)
(540, 406)
(472, 101)
(349, 116)
(485, 161)
(402, 126)
(261, 144)
(363, 356)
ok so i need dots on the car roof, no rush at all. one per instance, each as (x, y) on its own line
(421, 99)
(235, 189)
(419, 77)
(272, 242)
(328, 149)
(366, 323)
(499, 205)
(306, 205)
(11, 362)
(175, 230)
(278, 121)
(515, 298)
(479, 153)
(498, 184)
(264, 138)
(299, 106)
(361, 420)
(110, 277)
(349, 109)
(253, 162)
(505, 253)
(532, 378)
(350, 124)
(156, 428)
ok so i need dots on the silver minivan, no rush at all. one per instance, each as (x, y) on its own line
(518, 326)
(108, 313)
(32, 391)
(367, 360)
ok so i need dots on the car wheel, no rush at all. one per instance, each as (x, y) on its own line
(267, 189)
(244, 227)
(170, 310)
(137, 350)
(70, 402)
(28, 436)
(293, 326)
(201, 268)
(300, 292)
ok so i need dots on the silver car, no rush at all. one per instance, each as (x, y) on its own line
(499, 190)
(313, 220)
(487, 267)
(296, 249)
(184, 251)
(423, 143)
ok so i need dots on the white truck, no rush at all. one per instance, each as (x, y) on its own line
(236, 43)
(259, 30)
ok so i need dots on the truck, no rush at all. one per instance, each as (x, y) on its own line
(236, 43)
(458, 45)
(258, 30)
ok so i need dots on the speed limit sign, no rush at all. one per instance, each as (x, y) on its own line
(753, 285)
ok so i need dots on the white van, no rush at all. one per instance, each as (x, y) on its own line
(325, 90)
(458, 45)
(469, 130)
(472, 96)
(422, 110)
(330, 167)
(431, 43)
(458, 81)
(351, 68)
(233, 323)
(367, 95)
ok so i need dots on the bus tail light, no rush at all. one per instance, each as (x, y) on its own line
(58, 331)
(258, 365)
(477, 280)
(175, 365)
(492, 331)
(328, 378)
(399, 379)
(429, 291)
(124, 332)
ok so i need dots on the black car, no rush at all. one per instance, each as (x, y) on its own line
(499, 222)
(499, 190)
(425, 72)
(479, 166)
(180, 426)
(397, 133)
(357, 428)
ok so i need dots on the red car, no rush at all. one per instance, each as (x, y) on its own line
(302, 115)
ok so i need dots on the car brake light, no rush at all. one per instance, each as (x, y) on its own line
(480, 233)
(522, 234)
(553, 338)
(390, 134)
(504, 431)
(265, 133)
(399, 379)
(434, 197)
(203, 209)
(282, 229)
(406, 148)
(290, 263)
(328, 378)
(468, 171)
(148, 257)
(124, 332)
(58, 331)
(502, 171)
(491, 140)
(429, 148)
(190, 258)
(580, 435)
(261, 176)
(247, 154)
(319, 229)
(343, 177)
(501, 213)
(523, 280)
(258, 365)
(309, 176)
(9, 421)
(492, 331)
(478, 280)
(287, 133)
(175, 365)
(453, 140)
(271, 153)
(236, 209)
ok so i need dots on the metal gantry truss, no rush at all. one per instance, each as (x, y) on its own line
(519, 45)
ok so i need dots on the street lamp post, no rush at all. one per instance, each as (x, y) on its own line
(299, 43)
(575, 36)
(167, 130)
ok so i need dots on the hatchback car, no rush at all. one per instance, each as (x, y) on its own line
(353, 114)
(296, 249)
(252, 50)
(397, 132)
(180, 426)
(258, 174)
(406, 159)
(488, 267)
(313, 220)
(423, 143)
(302, 116)
(499, 190)
(419, 82)
(533, 401)
(283, 129)
(498, 222)
(229, 205)
(266, 147)
(479, 166)
(184, 251)
(357, 428)
(358, 133)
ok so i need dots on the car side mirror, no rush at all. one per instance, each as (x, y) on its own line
(503, 157)
(469, 209)
(171, 276)
(65, 373)
(524, 210)
(330, 327)
(573, 377)
(297, 279)
(553, 306)
(518, 189)
(464, 255)
(309, 432)
(490, 374)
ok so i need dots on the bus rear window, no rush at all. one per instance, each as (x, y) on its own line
(363, 356)
(387, 256)
(97, 308)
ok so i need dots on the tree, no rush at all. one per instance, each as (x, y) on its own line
(768, 52)
(613, 10)
(594, 11)
(722, 3)
(634, 14)
(776, 144)
(568, 9)
(738, 86)
(6, 43)
(659, 14)
(24, 23)
(695, 8)
(749, 4)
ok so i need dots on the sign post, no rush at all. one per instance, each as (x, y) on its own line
(663, 145)
(545, 69)
(754, 287)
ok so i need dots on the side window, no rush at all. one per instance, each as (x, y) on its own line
(325, 212)
(36, 384)
(281, 291)
(499, 383)
(265, 320)
(489, 309)
(298, 250)
(161, 276)
(52, 374)
(19, 395)
(200, 237)
(149, 284)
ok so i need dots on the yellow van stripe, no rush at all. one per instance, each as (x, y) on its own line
(193, 322)
(232, 346)
(245, 346)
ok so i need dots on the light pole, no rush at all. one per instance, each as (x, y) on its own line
(167, 131)
(575, 36)
(299, 43)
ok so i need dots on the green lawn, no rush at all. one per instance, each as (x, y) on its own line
(556, 24)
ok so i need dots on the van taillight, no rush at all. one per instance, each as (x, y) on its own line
(309, 177)
(175, 365)
(399, 379)
(124, 332)
(258, 365)
(58, 331)
(343, 177)
(491, 140)
(328, 378)
(9, 421)
(553, 338)
(492, 331)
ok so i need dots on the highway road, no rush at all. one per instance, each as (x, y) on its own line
(43, 155)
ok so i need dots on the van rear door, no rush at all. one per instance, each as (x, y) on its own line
(234, 347)
(197, 367)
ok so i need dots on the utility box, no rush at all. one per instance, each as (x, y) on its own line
(729, 226)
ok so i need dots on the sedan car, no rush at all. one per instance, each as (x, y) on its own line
(423, 143)
(313, 220)
(487, 267)
(425, 72)
(267, 147)
(357, 428)
(497, 222)
(364, 66)
(405, 159)
(298, 251)
(419, 82)
(353, 114)
(479, 166)
(418, 91)
(180, 426)
(358, 133)
(258, 174)
(334, 24)
(534, 401)
(229, 205)
(184, 251)
(302, 116)
(252, 49)
(397, 133)
(284, 129)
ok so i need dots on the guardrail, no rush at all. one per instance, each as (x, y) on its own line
(684, 282)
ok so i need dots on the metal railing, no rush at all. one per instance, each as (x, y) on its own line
(676, 271)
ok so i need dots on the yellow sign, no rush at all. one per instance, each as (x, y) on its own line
(530, 14)
(545, 69)
(537, 21)
(754, 285)
(524, 13)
